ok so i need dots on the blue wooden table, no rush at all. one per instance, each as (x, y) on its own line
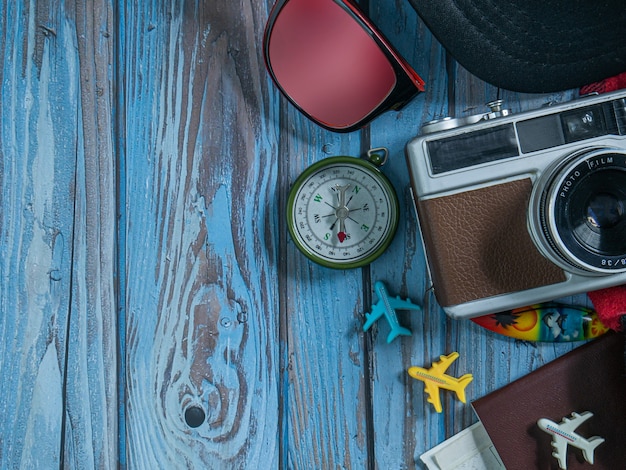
(154, 312)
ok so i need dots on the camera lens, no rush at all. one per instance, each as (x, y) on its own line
(604, 210)
(583, 210)
(596, 213)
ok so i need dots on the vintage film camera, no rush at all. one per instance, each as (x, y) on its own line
(516, 209)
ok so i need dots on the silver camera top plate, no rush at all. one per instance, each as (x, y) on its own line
(434, 172)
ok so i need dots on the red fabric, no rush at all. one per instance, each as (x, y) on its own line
(604, 86)
(610, 303)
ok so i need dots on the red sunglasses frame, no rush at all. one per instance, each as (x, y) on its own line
(408, 82)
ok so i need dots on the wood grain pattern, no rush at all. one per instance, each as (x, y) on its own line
(201, 323)
(325, 395)
(58, 311)
(146, 267)
(90, 436)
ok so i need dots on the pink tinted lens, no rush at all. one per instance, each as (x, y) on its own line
(327, 63)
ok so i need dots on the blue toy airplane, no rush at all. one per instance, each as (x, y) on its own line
(387, 306)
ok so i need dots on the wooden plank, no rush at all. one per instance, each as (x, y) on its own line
(325, 400)
(201, 255)
(91, 404)
(37, 147)
(57, 357)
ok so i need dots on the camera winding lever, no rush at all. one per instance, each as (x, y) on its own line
(447, 123)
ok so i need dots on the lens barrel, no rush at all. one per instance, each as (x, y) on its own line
(579, 209)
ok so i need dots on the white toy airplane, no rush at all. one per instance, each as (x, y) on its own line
(387, 306)
(563, 434)
(434, 378)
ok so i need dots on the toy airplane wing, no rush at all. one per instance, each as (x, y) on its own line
(378, 311)
(559, 444)
(439, 367)
(570, 424)
(402, 304)
(397, 330)
(433, 396)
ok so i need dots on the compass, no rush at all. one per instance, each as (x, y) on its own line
(342, 212)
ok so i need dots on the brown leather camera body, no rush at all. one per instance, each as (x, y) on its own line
(478, 245)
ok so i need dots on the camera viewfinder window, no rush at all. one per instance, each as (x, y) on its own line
(475, 148)
(584, 123)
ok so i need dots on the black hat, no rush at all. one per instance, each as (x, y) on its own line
(531, 45)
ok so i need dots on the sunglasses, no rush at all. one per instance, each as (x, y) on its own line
(333, 64)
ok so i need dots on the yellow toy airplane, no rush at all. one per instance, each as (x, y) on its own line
(434, 378)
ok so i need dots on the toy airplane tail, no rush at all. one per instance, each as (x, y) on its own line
(397, 330)
(589, 449)
(463, 381)
(369, 321)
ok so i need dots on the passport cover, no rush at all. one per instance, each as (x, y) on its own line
(588, 378)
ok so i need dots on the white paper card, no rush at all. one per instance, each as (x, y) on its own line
(471, 449)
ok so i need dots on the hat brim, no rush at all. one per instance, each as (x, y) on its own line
(531, 46)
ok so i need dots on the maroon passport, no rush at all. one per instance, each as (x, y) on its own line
(588, 378)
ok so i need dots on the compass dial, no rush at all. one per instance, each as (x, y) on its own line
(342, 212)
